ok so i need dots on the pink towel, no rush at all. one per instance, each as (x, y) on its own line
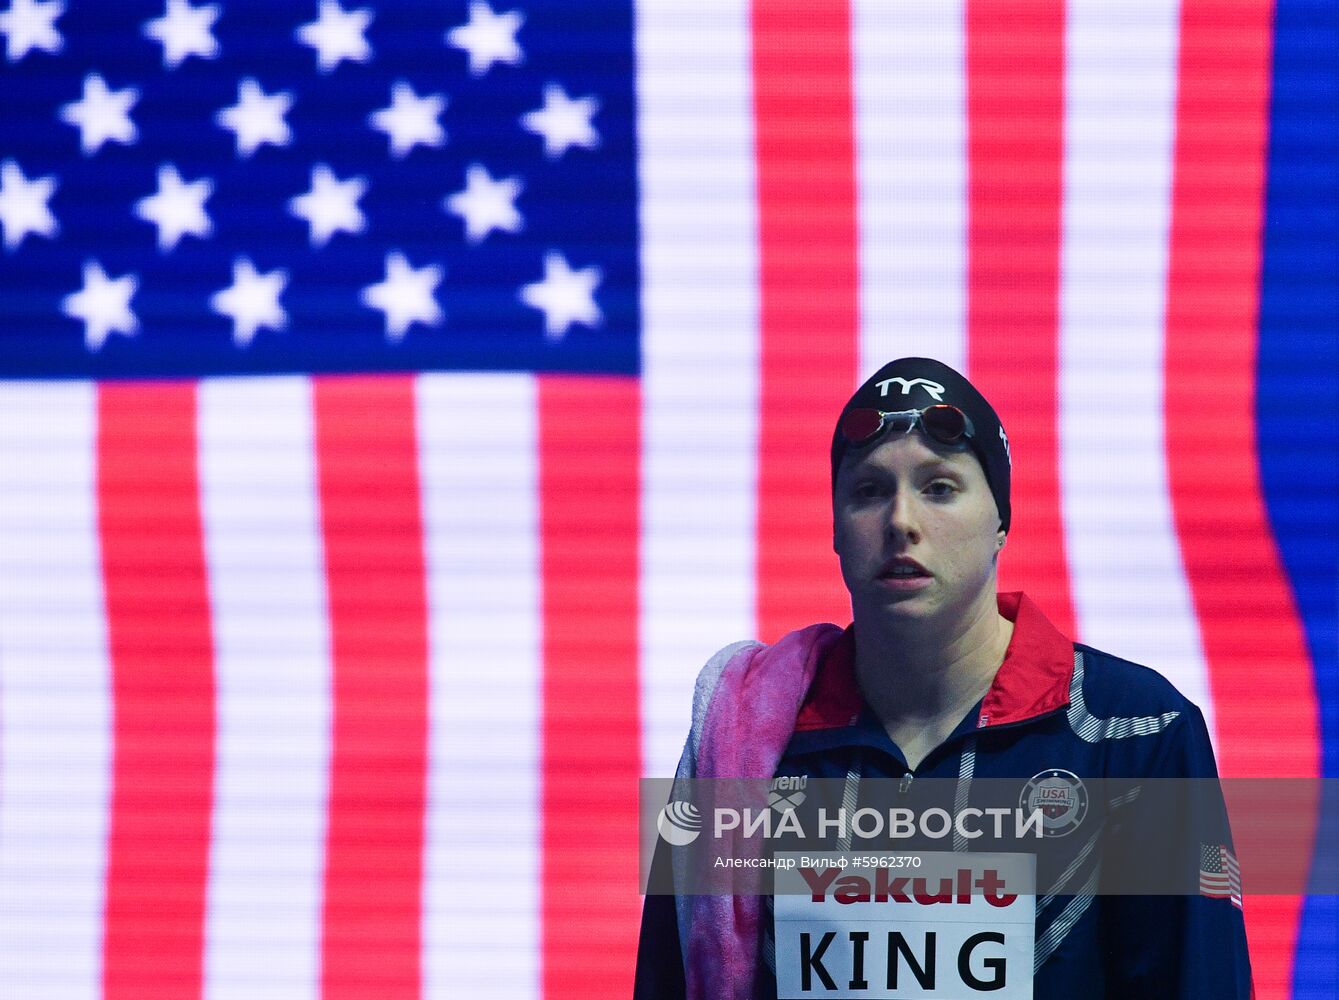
(749, 721)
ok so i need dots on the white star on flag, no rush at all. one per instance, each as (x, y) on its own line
(101, 115)
(563, 122)
(564, 296)
(337, 34)
(488, 38)
(257, 118)
(23, 204)
(252, 301)
(330, 206)
(486, 204)
(410, 120)
(184, 31)
(405, 296)
(103, 305)
(178, 208)
(31, 24)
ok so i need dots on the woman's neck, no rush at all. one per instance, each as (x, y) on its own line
(919, 675)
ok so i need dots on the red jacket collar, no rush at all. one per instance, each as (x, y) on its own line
(1032, 681)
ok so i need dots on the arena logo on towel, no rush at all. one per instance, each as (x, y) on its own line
(787, 792)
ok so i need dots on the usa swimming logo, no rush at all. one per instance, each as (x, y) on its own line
(1060, 798)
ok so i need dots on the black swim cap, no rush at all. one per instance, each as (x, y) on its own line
(914, 384)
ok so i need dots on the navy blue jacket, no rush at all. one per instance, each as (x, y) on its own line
(1054, 705)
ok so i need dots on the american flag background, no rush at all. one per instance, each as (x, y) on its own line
(400, 401)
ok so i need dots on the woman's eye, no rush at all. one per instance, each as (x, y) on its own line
(941, 488)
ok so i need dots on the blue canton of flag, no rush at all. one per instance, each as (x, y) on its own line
(247, 187)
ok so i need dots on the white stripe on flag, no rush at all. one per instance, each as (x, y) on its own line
(55, 698)
(1130, 591)
(911, 146)
(699, 351)
(263, 552)
(479, 471)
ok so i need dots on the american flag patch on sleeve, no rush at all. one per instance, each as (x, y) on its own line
(1220, 875)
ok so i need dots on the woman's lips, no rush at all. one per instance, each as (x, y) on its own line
(905, 583)
(909, 567)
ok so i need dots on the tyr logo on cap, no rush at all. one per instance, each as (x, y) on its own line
(933, 388)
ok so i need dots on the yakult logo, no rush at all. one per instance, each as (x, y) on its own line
(887, 887)
(935, 390)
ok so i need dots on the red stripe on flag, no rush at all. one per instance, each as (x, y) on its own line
(809, 318)
(589, 522)
(367, 461)
(1264, 703)
(162, 656)
(1015, 129)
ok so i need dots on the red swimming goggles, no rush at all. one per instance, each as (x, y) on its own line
(943, 423)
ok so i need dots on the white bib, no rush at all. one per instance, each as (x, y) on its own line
(900, 926)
